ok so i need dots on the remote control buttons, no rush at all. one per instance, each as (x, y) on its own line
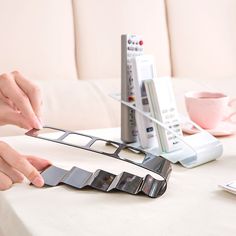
(141, 42)
(131, 98)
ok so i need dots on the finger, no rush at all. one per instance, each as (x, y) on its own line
(6, 100)
(2, 97)
(5, 182)
(18, 119)
(10, 89)
(10, 116)
(21, 164)
(38, 163)
(32, 91)
(13, 174)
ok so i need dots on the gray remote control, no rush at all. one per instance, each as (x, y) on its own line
(131, 46)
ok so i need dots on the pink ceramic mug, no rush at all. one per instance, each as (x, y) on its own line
(208, 109)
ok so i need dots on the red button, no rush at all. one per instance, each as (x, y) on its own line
(131, 98)
(141, 42)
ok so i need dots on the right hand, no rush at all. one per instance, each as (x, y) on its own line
(14, 166)
(20, 101)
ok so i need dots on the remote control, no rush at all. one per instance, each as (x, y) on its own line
(143, 70)
(230, 187)
(131, 46)
(163, 108)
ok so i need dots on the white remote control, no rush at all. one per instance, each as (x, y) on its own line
(163, 108)
(143, 70)
(230, 186)
(131, 46)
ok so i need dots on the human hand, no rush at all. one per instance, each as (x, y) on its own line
(20, 101)
(14, 166)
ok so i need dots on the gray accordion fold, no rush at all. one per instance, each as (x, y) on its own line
(104, 181)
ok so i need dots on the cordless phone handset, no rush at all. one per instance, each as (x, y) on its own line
(163, 108)
(143, 69)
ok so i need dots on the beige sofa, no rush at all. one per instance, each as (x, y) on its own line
(71, 48)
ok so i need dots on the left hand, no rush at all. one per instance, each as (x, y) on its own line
(14, 166)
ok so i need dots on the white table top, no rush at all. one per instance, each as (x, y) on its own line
(192, 205)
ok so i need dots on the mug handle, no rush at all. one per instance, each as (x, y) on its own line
(231, 102)
(228, 118)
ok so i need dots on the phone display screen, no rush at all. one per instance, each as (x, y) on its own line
(146, 71)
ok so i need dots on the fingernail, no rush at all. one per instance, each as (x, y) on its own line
(41, 121)
(38, 124)
(38, 181)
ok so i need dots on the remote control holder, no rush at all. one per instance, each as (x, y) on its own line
(197, 149)
(104, 181)
(156, 164)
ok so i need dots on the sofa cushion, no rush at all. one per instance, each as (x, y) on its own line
(37, 38)
(99, 25)
(203, 37)
(76, 105)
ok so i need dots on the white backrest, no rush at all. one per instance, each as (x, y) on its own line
(99, 25)
(203, 37)
(37, 38)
